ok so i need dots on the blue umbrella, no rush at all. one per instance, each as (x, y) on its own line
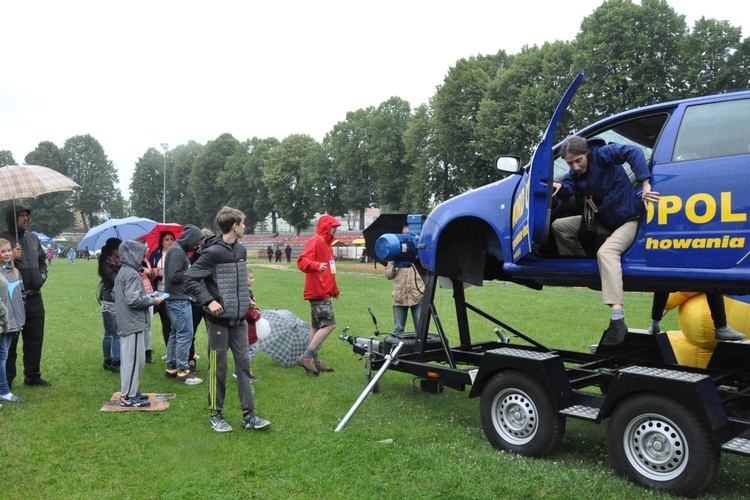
(43, 238)
(128, 228)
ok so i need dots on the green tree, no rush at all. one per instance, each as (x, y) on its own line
(321, 181)
(209, 195)
(516, 107)
(631, 56)
(52, 212)
(97, 199)
(282, 177)
(709, 58)
(147, 185)
(6, 158)
(422, 155)
(349, 150)
(456, 105)
(388, 125)
(259, 149)
(180, 202)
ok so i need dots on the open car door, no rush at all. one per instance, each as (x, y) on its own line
(532, 204)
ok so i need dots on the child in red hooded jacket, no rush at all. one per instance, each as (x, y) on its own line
(318, 264)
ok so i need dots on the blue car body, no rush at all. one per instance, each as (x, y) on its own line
(694, 238)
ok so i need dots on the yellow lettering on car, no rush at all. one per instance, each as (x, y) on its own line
(699, 208)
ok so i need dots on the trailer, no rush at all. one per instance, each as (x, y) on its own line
(668, 424)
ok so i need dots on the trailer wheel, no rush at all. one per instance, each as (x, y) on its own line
(518, 415)
(658, 443)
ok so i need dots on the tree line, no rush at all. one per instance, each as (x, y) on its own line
(407, 160)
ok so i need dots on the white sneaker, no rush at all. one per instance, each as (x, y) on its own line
(188, 378)
(11, 398)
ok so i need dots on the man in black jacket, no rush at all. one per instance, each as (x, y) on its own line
(29, 258)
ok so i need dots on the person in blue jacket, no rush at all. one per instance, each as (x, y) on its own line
(596, 173)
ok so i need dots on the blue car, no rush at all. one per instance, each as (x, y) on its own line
(694, 238)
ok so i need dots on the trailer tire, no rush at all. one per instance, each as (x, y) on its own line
(656, 442)
(410, 342)
(518, 415)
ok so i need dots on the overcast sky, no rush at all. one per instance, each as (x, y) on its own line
(137, 74)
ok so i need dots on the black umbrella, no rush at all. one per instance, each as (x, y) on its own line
(386, 223)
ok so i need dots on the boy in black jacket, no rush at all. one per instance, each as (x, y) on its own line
(218, 280)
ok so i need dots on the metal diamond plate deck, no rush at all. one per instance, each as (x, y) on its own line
(588, 412)
(522, 353)
(664, 373)
(737, 445)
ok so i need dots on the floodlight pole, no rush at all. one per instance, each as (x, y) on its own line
(165, 147)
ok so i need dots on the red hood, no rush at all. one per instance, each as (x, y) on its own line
(325, 223)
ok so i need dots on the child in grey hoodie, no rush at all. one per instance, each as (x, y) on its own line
(133, 319)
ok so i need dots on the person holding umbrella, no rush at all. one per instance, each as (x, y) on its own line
(29, 259)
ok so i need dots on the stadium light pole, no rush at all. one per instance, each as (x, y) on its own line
(165, 147)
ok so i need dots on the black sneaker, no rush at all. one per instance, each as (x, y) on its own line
(36, 382)
(615, 333)
(134, 402)
(253, 421)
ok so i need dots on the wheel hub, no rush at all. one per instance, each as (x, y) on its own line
(514, 416)
(656, 447)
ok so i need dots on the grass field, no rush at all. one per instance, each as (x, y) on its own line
(400, 444)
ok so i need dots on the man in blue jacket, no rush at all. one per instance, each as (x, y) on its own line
(596, 172)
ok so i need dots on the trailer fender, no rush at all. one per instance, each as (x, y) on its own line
(546, 368)
(695, 391)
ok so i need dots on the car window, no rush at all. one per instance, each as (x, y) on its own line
(714, 130)
(642, 132)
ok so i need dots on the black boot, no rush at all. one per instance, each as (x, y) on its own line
(149, 358)
(107, 365)
(115, 366)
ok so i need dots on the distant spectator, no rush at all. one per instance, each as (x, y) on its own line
(50, 254)
(288, 252)
(278, 254)
(269, 251)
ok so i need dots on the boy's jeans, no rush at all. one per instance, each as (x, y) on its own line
(178, 349)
